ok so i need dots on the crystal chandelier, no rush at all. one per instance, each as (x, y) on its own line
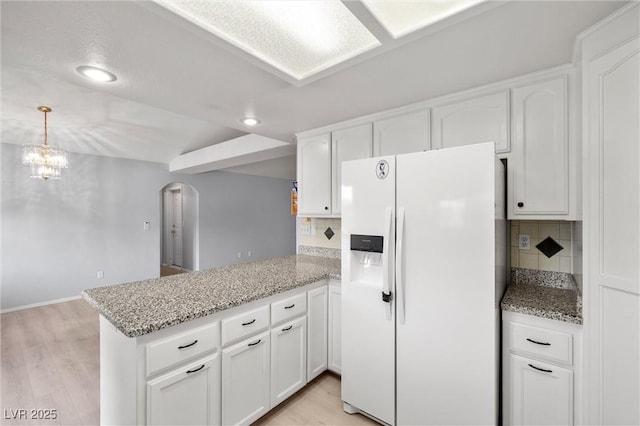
(46, 162)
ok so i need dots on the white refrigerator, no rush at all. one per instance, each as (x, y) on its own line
(423, 270)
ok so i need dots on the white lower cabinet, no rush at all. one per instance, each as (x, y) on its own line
(246, 380)
(288, 359)
(229, 368)
(335, 328)
(318, 333)
(541, 371)
(541, 393)
(189, 395)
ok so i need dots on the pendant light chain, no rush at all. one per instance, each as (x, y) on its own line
(45, 127)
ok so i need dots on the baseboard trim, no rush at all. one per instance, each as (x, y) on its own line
(37, 305)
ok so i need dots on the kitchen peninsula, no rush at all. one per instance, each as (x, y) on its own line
(219, 346)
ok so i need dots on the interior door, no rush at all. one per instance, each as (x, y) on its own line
(177, 226)
(167, 211)
(445, 335)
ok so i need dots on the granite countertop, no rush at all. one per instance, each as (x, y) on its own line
(142, 307)
(551, 295)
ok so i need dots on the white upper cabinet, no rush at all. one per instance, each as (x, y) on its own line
(353, 143)
(401, 134)
(476, 120)
(314, 175)
(539, 176)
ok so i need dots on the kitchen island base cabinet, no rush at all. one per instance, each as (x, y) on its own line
(541, 393)
(318, 333)
(246, 380)
(189, 395)
(229, 367)
(288, 359)
(335, 328)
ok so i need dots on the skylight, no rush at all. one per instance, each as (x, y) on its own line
(299, 38)
(400, 18)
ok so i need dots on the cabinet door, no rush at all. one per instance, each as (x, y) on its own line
(317, 341)
(246, 380)
(347, 144)
(540, 176)
(541, 394)
(335, 324)
(288, 359)
(314, 175)
(189, 395)
(612, 232)
(401, 134)
(477, 120)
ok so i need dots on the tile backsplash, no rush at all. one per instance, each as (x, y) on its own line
(548, 233)
(313, 238)
(319, 233)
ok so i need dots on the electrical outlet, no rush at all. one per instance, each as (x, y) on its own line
(305, 228)
(239, 254)
(100, 275)
(249, 253)
(524, 242)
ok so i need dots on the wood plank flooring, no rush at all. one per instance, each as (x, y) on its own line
(318, 403)
(51, 360)
(166, 270)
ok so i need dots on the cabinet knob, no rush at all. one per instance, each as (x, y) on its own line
(520, 204)
(326, 208)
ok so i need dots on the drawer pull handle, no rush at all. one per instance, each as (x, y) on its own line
(186, 346)
(290, 306)
(249, 323)
(540, 369)
(195, 370)
(255, 343)
(288, 328)
(539, 343)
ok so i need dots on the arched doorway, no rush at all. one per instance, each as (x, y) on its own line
(179, 232)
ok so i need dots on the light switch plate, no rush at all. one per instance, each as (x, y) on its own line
(524, 242)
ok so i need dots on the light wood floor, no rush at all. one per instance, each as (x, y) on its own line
(168, 270)
(51, 360)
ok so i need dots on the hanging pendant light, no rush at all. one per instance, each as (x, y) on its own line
(46, 162)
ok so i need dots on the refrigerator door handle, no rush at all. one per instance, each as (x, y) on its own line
(386, 261)
(399, 266)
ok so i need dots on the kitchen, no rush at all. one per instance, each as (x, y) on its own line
(104, 214)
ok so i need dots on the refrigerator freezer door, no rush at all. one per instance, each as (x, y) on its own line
(368, 327)
(446, 345)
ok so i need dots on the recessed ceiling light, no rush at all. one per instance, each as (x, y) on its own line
(96, 74)
(250, 121)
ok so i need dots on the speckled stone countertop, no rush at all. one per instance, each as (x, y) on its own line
(552, 295)
(141, 307)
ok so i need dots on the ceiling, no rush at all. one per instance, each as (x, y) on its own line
(181, 88)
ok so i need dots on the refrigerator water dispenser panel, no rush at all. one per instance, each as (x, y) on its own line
(368, 243)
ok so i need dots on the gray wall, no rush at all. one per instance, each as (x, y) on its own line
(56, 235)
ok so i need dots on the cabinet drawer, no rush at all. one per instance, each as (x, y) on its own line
(554, 345)
(288, 308)
(245, 324)
(175, 349)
